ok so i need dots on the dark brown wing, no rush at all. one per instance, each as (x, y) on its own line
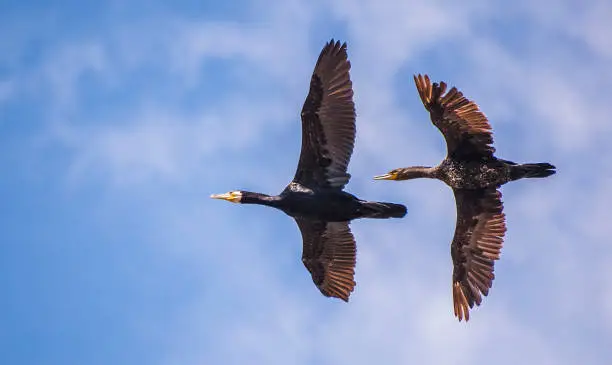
(478, 240)
(466, 129)
(329, 254)
(328, 122)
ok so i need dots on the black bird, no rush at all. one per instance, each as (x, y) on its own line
(315, 197)
(474, 173)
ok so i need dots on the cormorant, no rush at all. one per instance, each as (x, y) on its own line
(315, 198)
(474, 173)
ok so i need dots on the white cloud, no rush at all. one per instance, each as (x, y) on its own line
(586, 24)
(155, 142)
(154, 139)
(387, 33)
(559, 99)
(63, 70)
(593, 26)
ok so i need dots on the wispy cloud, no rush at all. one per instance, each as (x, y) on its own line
(163, 143)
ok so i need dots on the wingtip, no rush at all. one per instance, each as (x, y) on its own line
(336, 43)
(460, 304)
(340, 295)
(419, 76)
(417, 80)
(424, 88)
(334, 51)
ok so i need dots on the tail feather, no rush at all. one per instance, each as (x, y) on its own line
(531, 170)
(383, 210)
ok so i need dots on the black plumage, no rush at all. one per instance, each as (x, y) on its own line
(475, 174)
(315, 197)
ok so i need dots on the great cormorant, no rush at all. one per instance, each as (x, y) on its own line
(474, 173)
(315, 198)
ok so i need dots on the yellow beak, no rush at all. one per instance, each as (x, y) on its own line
(388, 176)
(232, 197)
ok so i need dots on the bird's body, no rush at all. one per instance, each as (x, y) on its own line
(330, 205)
(468, 174)
(475, 174)
(315, 198)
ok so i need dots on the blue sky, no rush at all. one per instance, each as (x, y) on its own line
(120, 119)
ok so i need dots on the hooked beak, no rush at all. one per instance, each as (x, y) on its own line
(232, 197)
(389, 176)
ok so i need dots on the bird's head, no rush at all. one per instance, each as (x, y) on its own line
(391, 175)
(233, 196)
(407, 173)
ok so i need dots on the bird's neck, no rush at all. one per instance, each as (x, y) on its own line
(260, 199)
(417, 172)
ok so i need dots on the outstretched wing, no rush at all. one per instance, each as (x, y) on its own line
(478, 240)
(328, 122)
(329, 254)
(466, 129)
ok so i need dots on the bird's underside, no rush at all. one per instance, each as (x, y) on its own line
(328, 138)
(475, 175)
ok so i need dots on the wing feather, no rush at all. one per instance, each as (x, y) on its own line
(466, 129)
(476, 245)
(328, 122)
(329, 254)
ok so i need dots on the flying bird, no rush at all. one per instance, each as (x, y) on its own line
(315, 198)
(475, 174)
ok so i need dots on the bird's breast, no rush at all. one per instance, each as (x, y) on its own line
(472, 175)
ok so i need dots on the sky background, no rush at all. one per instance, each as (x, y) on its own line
(119, 119)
